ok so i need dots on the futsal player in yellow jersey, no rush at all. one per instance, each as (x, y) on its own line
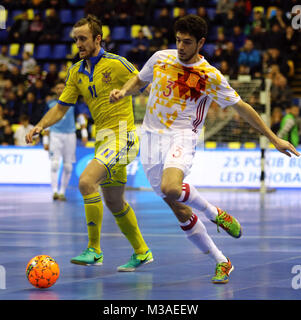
(116, 145)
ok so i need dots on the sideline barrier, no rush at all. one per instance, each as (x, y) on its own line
(212, 168)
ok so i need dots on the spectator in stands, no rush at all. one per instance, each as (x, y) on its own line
(221, 41)
(291, 44)
(5, 90)
(97, 8)
(276, 117)
(3, 124)
(8, 136)
(274, 57)
(222, 9)
(40, 91)
(158, 42)
(21, 132)
(139, 50)
(259, 20)
(140, 12)
(15, 76)
(7, 60)
(12, 107)
(51, 76)
(281, 94)
(257, 35)
(202, 12)
(230, 54)
(34, 75)
(289, 127)
(250, 57)
(19, 31)
(110, 45)
(28, 63)
(238, 37)
(163, 22)
(242, 10)
(229, 23)
(275, 38)
(36, 27)
(52, 27)
(32, 108)
(280, 19)
(123, 13)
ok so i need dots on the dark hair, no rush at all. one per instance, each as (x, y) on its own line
(94, 23)
(193, 25)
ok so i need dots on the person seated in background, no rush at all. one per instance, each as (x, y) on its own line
(281, 94)
(250, 57)
(139, 49)
(289, 127)
(19, 31)
(52, 27)
(276, 117)
(28, 63)
(36, 27)
(23, 129)
(32, 108)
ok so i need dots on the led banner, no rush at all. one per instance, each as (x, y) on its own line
(211, 168)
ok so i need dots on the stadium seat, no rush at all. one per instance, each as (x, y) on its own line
(79, 14)
(14, 49)
(120, 33)
(66, 16)
(42, 51)
(105, 31)
(123, 49)
(59, 51)
(211, 13)
(135, 28)
(3, 18)
(66, 34)
(209, 49)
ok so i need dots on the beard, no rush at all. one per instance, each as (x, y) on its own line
(186, 58)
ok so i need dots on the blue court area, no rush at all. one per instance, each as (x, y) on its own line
(264, 258)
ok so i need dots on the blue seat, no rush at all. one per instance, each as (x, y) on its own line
(124, 49)
(209, 49)
(43, 51)
(121, 33)
(66, 34)
(211, 13)
(66, 16)
(59, 51)
(79, 14)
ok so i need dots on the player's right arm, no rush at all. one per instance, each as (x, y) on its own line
(130, 88)
(54, 115)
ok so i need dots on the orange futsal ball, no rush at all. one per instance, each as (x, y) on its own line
(42, 271)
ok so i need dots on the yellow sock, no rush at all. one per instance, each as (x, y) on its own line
(94, 213)
(127, 222)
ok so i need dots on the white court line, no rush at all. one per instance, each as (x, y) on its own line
(107, 234)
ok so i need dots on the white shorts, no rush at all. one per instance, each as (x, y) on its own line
(158, 152)
(62, 145)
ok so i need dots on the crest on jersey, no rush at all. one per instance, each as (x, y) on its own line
(106, 77)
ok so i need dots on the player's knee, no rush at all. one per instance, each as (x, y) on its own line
(68, 167)
(55, 164)
(171, 192)
(85, 186)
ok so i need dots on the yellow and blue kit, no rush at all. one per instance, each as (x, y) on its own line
(116, 139)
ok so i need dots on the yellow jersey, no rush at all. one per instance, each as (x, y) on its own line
(108, 72)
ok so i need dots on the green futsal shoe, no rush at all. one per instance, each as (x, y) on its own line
(228, 223)
(222, 272)
(89, 257)
(137, 260)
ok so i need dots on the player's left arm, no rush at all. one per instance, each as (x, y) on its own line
(253, 118)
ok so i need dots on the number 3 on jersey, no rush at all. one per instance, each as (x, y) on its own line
(92, 90)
